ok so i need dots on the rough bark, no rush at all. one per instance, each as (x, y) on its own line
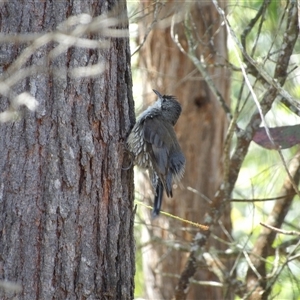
(200, 130)
(66, 218)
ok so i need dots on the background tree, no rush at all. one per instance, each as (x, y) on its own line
(167, 67)
(263, 58)
(66, 203)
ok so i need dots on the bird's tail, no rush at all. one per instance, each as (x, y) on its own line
(158, 198)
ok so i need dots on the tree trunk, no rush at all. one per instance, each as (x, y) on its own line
(200, 129)
(66, 201)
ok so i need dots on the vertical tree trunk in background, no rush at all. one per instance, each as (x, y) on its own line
(66, 218)
(200, 129)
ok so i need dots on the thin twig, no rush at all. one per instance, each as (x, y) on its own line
(281, 231)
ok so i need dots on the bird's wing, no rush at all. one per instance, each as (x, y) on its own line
(156, 133)
(164, 150)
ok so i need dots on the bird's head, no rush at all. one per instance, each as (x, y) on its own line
(170, 107)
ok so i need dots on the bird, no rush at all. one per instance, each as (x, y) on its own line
(154, 146)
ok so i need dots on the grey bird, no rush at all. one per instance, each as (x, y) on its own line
(154, 145)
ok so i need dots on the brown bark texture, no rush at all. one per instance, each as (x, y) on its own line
(200, 130)
(66, 220)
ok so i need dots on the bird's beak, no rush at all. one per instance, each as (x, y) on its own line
(157, 93)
